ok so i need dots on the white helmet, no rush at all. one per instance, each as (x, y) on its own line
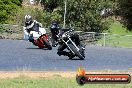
(28, 19)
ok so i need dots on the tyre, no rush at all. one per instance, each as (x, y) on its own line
(47, 44)
(82, 53)
(76, 52)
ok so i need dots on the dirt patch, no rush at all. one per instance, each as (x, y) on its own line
(17, 36)
(35, 74)
(40, 74)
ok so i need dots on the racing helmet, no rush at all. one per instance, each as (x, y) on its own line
(54, 25)
(28, 19)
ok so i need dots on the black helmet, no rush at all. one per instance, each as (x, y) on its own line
(54, 25)
(28, 19)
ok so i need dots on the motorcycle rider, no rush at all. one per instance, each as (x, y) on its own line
(56, 31)
(31, 25)
(54, 28)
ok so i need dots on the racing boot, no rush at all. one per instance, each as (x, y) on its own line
(54, 44)
(32, 40)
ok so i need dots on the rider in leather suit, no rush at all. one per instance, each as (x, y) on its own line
(75, 38)
(31, 25)
(56, 30)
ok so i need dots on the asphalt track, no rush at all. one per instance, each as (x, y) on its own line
(22, 55)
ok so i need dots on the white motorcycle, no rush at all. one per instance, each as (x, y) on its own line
(40, 38)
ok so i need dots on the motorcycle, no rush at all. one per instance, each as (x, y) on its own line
(74, 49)
(40, 38)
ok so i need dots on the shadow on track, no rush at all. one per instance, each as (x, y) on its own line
(75, 59)
(38, 48)
(67, 58)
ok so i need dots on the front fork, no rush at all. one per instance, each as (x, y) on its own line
(69, 40)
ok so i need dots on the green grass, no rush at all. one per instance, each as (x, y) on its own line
(118, 28)
(55, 82)
(117, 41)
(117, 36)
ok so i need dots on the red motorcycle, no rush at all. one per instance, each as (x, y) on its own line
(43, 42)
(39, 39)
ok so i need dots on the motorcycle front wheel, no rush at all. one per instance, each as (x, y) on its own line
(47, 44)
(76, 52)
